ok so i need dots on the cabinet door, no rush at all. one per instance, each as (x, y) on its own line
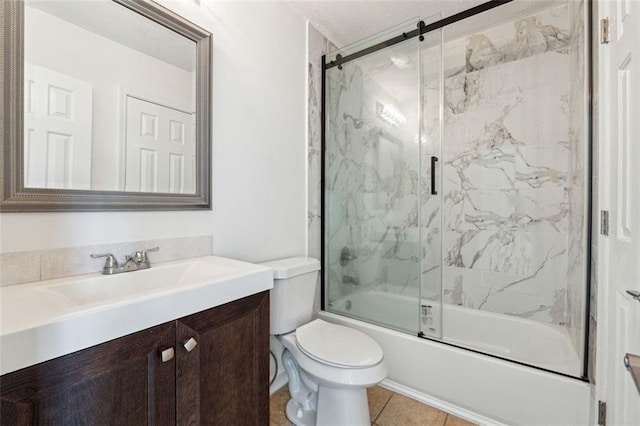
(224, 379)
(121, 382)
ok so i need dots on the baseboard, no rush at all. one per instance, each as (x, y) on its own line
(439, 404)
(282, 379)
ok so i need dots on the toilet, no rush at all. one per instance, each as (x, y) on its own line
(329, 366)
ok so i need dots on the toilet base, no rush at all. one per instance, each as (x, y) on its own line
(336, 407)
(298, 416)
(342, 407)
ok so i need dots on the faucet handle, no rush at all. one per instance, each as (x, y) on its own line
(145, 258)
(109, 264)
(137, 256)
(346, 256)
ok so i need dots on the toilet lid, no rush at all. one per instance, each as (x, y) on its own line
(338, 345)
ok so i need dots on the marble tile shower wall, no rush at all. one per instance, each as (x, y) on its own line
(513, 167)
(318, 45)
(23, 267)
(577, 190)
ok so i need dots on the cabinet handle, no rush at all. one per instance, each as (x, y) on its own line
(167, 354)
(190, 344)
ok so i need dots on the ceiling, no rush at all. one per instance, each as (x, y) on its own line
(351, 21)
(347, 22)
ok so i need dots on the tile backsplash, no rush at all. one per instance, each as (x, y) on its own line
(19, 267)
(28, 266)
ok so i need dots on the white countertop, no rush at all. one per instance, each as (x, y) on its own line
(47, 319)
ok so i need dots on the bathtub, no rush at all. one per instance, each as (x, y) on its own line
(546, 346)
(478, 387)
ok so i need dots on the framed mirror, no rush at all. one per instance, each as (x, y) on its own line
(106, 105)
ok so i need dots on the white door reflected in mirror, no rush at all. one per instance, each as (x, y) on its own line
(161, 150)
(57, 125)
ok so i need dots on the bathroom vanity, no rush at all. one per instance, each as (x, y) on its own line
(200, 366)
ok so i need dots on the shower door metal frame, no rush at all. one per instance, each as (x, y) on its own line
(419, 31)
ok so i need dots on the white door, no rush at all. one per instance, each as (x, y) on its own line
(57, 131)
(160, 148)
(620, 194)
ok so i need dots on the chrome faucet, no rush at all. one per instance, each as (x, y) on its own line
(136, 261)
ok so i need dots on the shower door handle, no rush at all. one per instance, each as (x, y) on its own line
(434, 160)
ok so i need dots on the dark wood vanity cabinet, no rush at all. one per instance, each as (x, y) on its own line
(222, 380)
(121, 382)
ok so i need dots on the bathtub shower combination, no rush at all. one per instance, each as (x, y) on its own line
(456, 184)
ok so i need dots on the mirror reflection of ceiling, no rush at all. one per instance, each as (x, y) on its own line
(115, 22)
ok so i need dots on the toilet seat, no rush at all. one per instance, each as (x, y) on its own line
(335, 376)
(338, 346)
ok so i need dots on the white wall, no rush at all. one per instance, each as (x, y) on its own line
(108, 66)
(259, 107)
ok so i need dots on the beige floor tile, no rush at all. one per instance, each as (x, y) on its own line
(456, 421)
(277, 406)
(378, 397)
(386, 408)
(403, 411)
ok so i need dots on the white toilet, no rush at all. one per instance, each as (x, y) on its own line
(329, 366)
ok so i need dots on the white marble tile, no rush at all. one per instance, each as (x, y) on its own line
(318, 45)
(529, 297)
(529, 36)
(507, 166)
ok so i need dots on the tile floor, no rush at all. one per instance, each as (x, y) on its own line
(387, 408)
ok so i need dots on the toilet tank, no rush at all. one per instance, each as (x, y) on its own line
(294, 289)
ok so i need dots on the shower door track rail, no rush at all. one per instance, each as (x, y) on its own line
(422, 28)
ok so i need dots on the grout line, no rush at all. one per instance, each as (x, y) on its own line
(384, 406)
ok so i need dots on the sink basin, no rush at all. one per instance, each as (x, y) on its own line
(43, 320)
(96, 289)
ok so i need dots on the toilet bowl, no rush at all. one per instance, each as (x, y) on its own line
(329, 366)
(333, 374)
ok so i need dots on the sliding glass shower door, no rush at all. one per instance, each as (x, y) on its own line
(373, 185)
(456, 183)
